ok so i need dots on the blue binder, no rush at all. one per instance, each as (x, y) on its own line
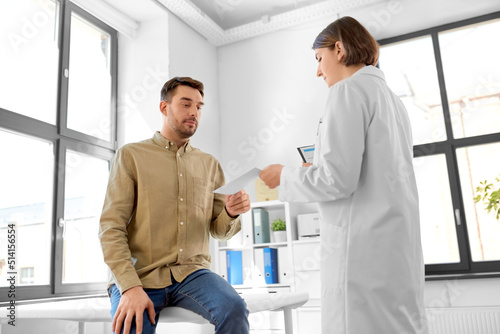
(271, 265)
(234, 267)
(261, 226)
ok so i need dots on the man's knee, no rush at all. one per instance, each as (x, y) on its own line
(238, 307)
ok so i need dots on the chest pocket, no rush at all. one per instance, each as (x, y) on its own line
(202, 193)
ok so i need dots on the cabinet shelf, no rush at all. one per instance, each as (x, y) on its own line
(307, 241)
(225, 248)
(241, 247)
(298, 260)
(271, 244)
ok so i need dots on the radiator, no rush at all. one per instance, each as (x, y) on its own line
(467, 320)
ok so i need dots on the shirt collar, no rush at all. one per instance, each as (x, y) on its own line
(170, 145)
(370, 69)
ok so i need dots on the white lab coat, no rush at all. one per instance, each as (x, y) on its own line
(372, 271)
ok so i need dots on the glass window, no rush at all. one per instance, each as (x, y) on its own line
(89, 95)
(26, 201)
(85, 187)
(29, 58)
(410, 71)
(477, 164)
(437, 222)
(27, 275)
(472, 74)
(51, 194)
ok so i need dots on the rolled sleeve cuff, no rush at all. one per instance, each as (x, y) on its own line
(227, 219)
(127, 281)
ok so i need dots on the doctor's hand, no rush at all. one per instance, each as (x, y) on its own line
(306, 164)
(271, 175)
(237, 203)
(132, 304)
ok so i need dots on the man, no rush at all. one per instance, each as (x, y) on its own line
(158, 214)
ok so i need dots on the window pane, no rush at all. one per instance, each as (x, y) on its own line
(439, 237)
(29, 58)
(477, 164)
(410, 71)
(472, 74)
(86, 181)
(26, 183)
(89, 96)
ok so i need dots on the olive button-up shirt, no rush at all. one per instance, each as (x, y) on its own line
(159, 212)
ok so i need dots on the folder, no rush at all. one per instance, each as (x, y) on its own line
(271, 265)
(234, 267)
(284, 266)
(261, 226)
(259, 266)
(223, 265)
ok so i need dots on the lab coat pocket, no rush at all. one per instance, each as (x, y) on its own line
(202, 195)
(333, 258)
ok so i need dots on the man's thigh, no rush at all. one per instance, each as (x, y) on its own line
(205, 293)
(157, 296)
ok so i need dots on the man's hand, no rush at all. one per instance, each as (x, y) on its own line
(237, 203)
(271, 175)
(132, 304)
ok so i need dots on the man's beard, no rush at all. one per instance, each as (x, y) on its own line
(184, 133)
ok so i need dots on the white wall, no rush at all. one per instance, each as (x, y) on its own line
(193, 56)
(264, 79)
(143, 68)
(163, 48)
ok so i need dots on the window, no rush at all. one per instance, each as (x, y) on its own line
(27, 275)
(57, 138)
(449, 80)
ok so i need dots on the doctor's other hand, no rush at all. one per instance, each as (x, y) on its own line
(271, 175)
(306, 164)
(237, 203)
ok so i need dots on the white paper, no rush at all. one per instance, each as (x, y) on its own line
(239, 183)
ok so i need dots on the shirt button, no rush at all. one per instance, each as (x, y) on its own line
(180, 175)
(182, 199)
(180, 249)
(182, 223)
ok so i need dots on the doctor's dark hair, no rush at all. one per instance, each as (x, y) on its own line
(169, 87)
(359, 46)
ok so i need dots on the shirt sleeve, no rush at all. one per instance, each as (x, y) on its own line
(340, 145)
(116, 213)
(223, 227)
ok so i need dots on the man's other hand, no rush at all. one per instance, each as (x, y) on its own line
(132, 304)
(238, 203)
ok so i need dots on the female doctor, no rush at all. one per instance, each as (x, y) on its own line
(372, 271)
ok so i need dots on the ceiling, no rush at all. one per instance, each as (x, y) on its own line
(233, 13)
(226, 21)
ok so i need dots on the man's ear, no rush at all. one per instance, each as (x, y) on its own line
(164, 107)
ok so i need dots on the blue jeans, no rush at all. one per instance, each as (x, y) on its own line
(202, 292)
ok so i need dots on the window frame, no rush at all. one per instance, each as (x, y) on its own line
(466, 268)
(63, 139)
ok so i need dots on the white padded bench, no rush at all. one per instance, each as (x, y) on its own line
(98, 309)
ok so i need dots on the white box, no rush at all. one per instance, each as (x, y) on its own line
(308, 225)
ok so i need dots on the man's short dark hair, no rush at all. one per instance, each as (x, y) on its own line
(169, 87)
